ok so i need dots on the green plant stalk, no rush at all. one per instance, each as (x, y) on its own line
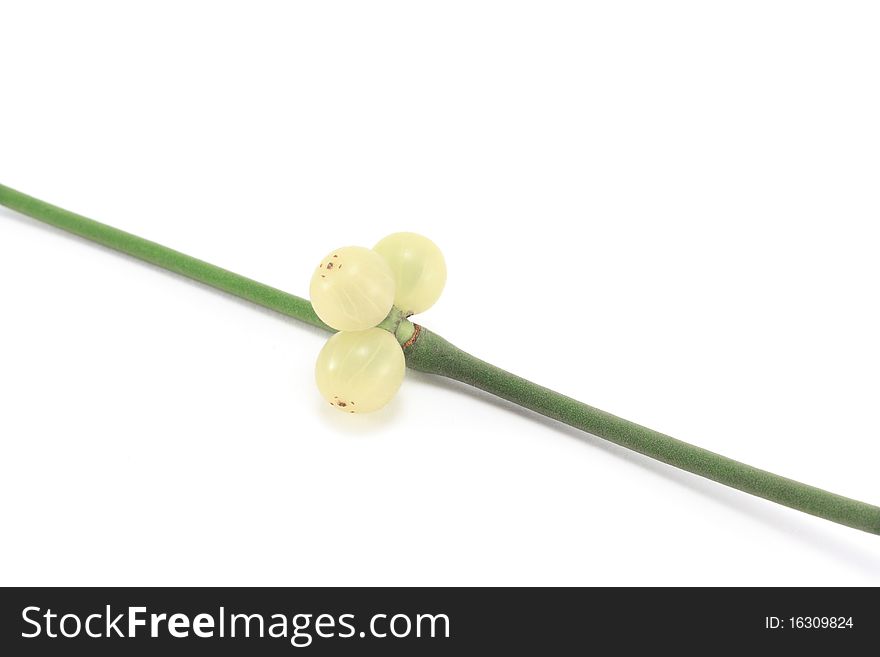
(427, 352)
(162, 256)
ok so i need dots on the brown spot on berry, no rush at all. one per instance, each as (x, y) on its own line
(335, 256)
(341, 404)
(329, 265)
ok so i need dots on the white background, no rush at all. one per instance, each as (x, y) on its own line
(667, 210)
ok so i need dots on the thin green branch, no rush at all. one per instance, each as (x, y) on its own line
(162, 256)
(428, 352)
(434, 355)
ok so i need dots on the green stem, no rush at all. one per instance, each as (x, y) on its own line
(432, 354)
(428, 352)
(162, 256)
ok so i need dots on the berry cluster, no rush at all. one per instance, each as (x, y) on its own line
(353, 290)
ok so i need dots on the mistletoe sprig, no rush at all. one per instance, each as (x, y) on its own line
(360, 319)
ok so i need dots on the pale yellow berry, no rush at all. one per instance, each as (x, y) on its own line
(360, 371)
(352, 289)
(419, 270)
